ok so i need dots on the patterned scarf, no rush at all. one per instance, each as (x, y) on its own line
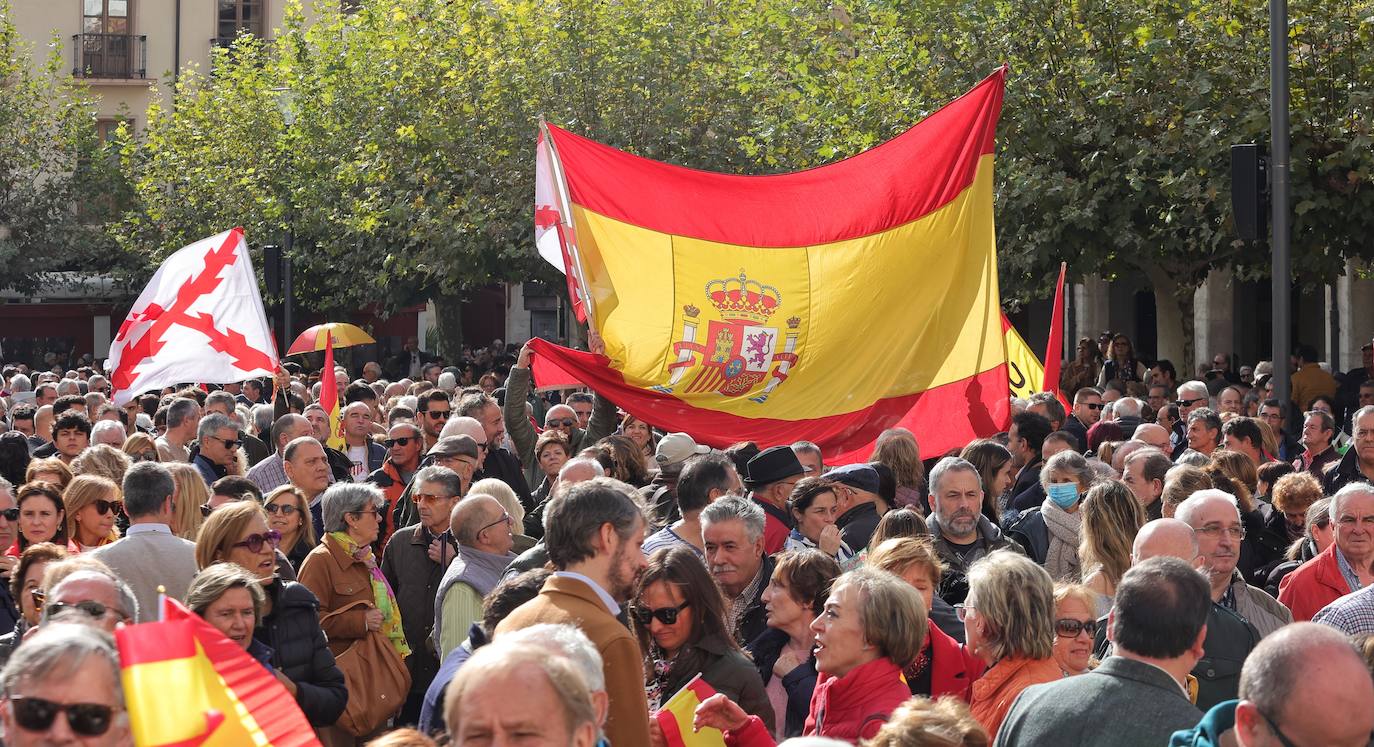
(381, 591)
(1061, 559)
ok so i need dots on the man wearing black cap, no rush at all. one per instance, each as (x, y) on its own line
(772, 475)
(860, 505)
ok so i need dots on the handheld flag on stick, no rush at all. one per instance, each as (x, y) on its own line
(200, 319)
(186, 684)
(329, 393)
(675, 717)
(1024, 370)
(829, 304)
(1054, 348)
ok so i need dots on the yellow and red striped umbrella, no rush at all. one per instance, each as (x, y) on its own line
(314, 339)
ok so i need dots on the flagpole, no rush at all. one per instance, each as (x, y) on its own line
(1054, 346)
(560, 189)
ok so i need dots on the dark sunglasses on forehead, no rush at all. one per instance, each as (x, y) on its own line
(255, 542)
(86, 719)
(665, 615)
(398, 441)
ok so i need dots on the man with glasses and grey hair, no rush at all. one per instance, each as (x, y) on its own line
(960, 531)
(94, 597)
(1342, 568)
(150, 556)
(1216, 524)
(62, 687)
(217, 448)
(1357, 466)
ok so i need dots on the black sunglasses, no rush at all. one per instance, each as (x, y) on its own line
(104, 506)
(95, 609)
(665, 615)
(565, 422)
(285, 509)
(254, 542)
(230, 443)
(1068, 628)
(1093, 405)
(399, 441)
(438, 414)
(10, 514)
(86, 719)
(1189, 402)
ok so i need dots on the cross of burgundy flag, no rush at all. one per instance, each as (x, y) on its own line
(200, 320)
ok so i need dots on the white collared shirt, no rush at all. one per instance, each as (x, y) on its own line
(151, 527)
(611, 604)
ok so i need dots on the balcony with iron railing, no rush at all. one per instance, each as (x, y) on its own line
(110, 56)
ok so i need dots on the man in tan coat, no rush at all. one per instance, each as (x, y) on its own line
(594, 536)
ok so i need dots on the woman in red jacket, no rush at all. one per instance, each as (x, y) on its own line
(944, 666)
(863, 639)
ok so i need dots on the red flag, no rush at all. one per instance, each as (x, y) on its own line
(1054, 348)
(329, 393)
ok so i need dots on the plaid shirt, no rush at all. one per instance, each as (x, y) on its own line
(1352, 614)
(739, 604)
(268, 474)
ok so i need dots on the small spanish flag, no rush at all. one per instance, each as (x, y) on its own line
(675, 717)
(186, 684)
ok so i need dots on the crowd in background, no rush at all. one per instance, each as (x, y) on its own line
(1148, 561)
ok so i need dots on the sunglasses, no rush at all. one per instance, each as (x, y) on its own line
(1068, 628)
(1093, 405)
(10, 514)
(86, 719)
(255, 542)
(400, 441)
(565, 422)
(103, 506)
(230, 443)
(95, 609)
(1189, 402)
(438, 414)
(285, 509)
(665, 615)
(427, 497)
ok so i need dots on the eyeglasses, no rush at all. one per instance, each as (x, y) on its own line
(1274, 727)
(665, 615)
(103, 506)
(427, 497)
(565, 422)
(1093, 405)
(285, 509)
(95, 609)
(10, 514)
(230, 443)
(86, 719)
(372, 511)
(1189, 402)
(1070, 628)
(255, 542)
(400, 441)
(1215, 530)
(961, 611)
(148, 456)
(505, 519)
(438, 414)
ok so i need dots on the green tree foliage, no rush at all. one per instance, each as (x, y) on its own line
(58, 183)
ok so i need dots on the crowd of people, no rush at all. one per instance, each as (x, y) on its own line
(1161, 562)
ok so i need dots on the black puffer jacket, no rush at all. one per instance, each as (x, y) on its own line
(299, 651)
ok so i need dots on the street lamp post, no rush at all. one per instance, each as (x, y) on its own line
(286, 100)
(1279, 169)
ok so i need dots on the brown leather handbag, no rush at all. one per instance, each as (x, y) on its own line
(377, 679)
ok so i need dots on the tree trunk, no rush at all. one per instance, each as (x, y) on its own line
(448, 313)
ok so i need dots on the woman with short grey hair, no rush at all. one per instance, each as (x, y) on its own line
(1050, 534)
(342, 570)
(231, 599)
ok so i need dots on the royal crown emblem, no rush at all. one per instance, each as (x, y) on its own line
(738, 354)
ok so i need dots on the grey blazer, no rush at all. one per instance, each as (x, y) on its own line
(146, 560)
(1123, 703)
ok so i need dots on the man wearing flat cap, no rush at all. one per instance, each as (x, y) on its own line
(860, 505)
(772, 475)
(672, 454)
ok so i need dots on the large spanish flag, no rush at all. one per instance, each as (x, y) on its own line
(826, 304)
(186, 684)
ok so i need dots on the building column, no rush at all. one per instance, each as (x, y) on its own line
(424, 322)
(1091, 311)
(1355, 305)
(101, 337)
(517, 317)
(1213, 319)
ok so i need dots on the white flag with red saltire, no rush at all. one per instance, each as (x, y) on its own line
(200, 320)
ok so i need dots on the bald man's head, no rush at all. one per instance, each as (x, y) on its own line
(470, 515)
(1152, 434)
(1165, 538)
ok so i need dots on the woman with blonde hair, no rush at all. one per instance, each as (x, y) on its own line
(504, 495)
(1075, 625)
(289, 514)
(141, 448)
(93, 504)
(1111, 518)
(103, 460)
(50, 470)
(898, 451)
(192, 493)
(1009, 624)
(922, 722)
(1238, 467)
